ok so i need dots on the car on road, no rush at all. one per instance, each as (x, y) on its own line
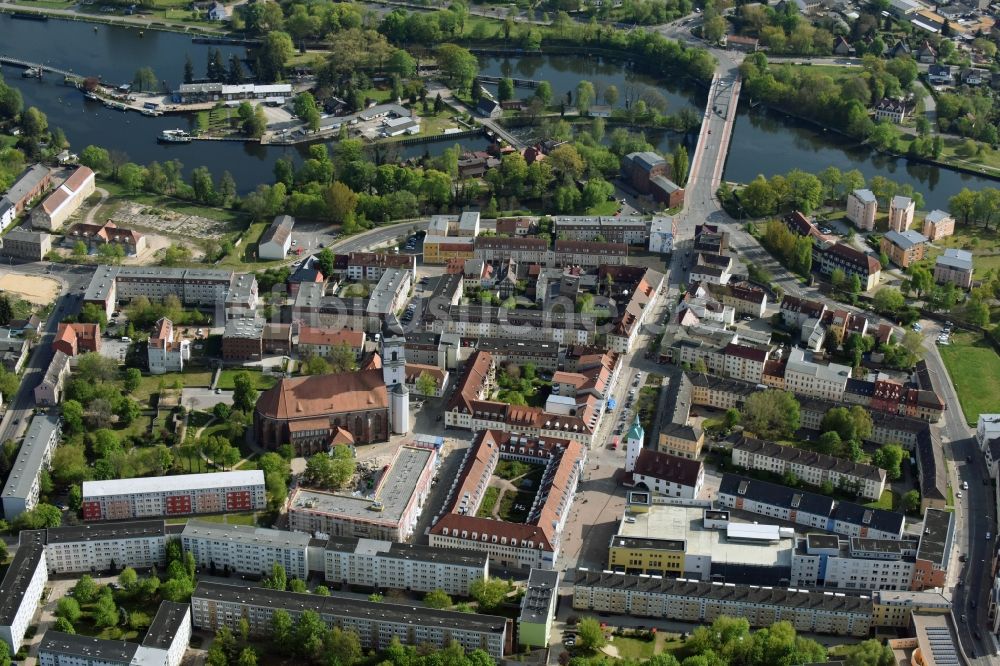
(959, 494)
(965, 485)
(989, 536)
(917, 327)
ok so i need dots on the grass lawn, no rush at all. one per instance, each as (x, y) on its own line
(151, 384)
(231, 518)
(514, 506)
(633, 648)
(120, 194)
(836, 72)
(512, 469)
(261, 381)
(974, 367)
(889, 501)
(489, 502)
(604, 208)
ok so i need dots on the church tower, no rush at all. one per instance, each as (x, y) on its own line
(394, 376)
(633, 444)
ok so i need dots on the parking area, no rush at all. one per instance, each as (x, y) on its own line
(114, 348)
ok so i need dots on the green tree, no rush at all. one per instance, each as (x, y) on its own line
(427, 384)
(457, 64)
(244, 392)
(888, 300)
(437, 599)
(591, 636)
(544, 92)
(505, 90)
(61, 624)
(679, 162)
(283, 630)
(105, 611)
(145, 80)
(890, 457)
(868, 653)
(911, 501)
(133, 377)
(85, 590)
(771, 414)
(489, 593)
(69, 608)
(584, 96)
(248, 657)
(828, 443)
(128, 579)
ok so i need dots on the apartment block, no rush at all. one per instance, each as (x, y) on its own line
(21, 491)
(955, 267)
(181, 495)
(904, 247)
(164, 644)
(808, 378)
(21, 588)
(810, 510)
(215, 605)
(901, 211)
(693, 601)
(810, 467)
(98, 547)
(862, 206)
(49, 391)
(246, 550)
(403, 566)
(538, 608)
(390, 512)
(938, 224)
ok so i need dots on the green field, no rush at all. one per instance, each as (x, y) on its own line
(888, 501)
(633, 648)
(489, 502)
(261, 381)
(974, 367)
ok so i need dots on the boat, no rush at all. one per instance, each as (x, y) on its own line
(151, 112)
(31, 72)
(174, 136)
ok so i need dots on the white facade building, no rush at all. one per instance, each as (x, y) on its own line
(385, 564)
(181, 495)
(815, 380)
(21, 491)
(22, 587)
(246, 550)
(97, 547)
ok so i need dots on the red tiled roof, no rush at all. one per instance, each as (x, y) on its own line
(318, 395)
(749, 353)
(309, 335)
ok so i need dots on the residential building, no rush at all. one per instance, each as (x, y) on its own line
(312, 307)
(93, 236)
(30, 184)
(662, 232)
(901, 608)
(938, 224)
(241, 299)
(602, 229)
(808, 378)
(192, 286)
(13, 350)
(165, 642)
(862, 207)
(589, 254)
(693, 601)
(277, 339)
(390, 293)
(893, 110)
(217, 605)
(20, 243)
(640, 168)
(521, 249)
(538, 608)
(369, 266)
(815, 469)
(389, 513)
(21, 588)
(661, 473)
(681, 440)
(243, 340)
(21, 492)
(746, 299)
(310, 412)
(940, 75)
(926, 53)
(106, 546)
(244, 549)
(323, 342)
(402, 566)
(49, 391)
(414, 371)
(276, 241)
(534, 543)
(797, 311)
(904, 247)
(808, 509)
(901, 211)
(192, 93)
(851, 261)
(179, 495)
(441, 249)
(77, 338)
(166, 350)
(64, 200)
(955, 267)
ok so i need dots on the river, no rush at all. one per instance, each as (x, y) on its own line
(762, 142)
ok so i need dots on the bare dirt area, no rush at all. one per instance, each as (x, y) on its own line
(150, 219)
(32, 288)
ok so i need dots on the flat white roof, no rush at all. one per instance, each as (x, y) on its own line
(173, 483)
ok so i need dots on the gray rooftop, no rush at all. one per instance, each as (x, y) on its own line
(31, 455)
(386, 290)
(170, 617)
(935, 541)
(796, 456)
(408, 551)
(543, 584)
(245, 534)
(394, 491)
(905, 239)
(936, 216)
(88, 648)
(831, 372)
(899, 201)
(349, 607)
(279, 230)
(865, 196)
(242, 288)
(25, 236)
(30, 549)
(728, 592)
(646, 159)
(245, 327)
(957, 259)
(56, 367)
(110, 531)
(26, 182)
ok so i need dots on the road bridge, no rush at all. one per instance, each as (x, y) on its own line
(24, 64)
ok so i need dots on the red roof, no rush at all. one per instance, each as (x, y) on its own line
(742, 351)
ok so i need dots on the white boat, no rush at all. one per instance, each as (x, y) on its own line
(174, 136)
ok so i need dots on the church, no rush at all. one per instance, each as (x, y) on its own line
(317, 412)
